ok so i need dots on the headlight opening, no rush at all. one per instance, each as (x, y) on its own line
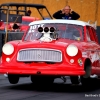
(8, 49)
(72, 50)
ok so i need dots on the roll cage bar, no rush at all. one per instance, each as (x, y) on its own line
(25, 5)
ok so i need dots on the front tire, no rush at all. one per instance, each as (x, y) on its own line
(86, 80)
(13, 79)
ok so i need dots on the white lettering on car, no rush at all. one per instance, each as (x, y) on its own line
(33, 27)
(92, 56)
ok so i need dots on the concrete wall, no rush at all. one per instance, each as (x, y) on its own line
(88, 9)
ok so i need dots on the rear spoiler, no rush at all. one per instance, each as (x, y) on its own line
(94, 24)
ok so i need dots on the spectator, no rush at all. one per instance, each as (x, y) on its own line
(66, 13)
(28, 13)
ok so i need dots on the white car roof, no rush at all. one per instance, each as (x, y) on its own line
(76, 22)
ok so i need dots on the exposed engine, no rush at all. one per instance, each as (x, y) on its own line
(48, 34)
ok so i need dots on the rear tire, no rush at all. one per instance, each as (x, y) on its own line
(13, 79)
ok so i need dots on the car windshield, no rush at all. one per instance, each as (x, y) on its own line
(26, 22)
(63, 31)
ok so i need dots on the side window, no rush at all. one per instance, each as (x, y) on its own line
(94, 34)
(90, 34)
(87, 34)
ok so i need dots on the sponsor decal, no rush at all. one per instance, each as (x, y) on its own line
(33, 27)
(80, 62)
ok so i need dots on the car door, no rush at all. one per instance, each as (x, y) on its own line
(91, 49)
(93, 31)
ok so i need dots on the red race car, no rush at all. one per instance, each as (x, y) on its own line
(51, 49)
(4, 26)
(22, 26)
(26, 20)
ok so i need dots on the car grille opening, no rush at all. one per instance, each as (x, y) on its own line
(39, 55)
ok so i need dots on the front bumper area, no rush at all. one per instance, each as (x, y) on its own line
(41, 69)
